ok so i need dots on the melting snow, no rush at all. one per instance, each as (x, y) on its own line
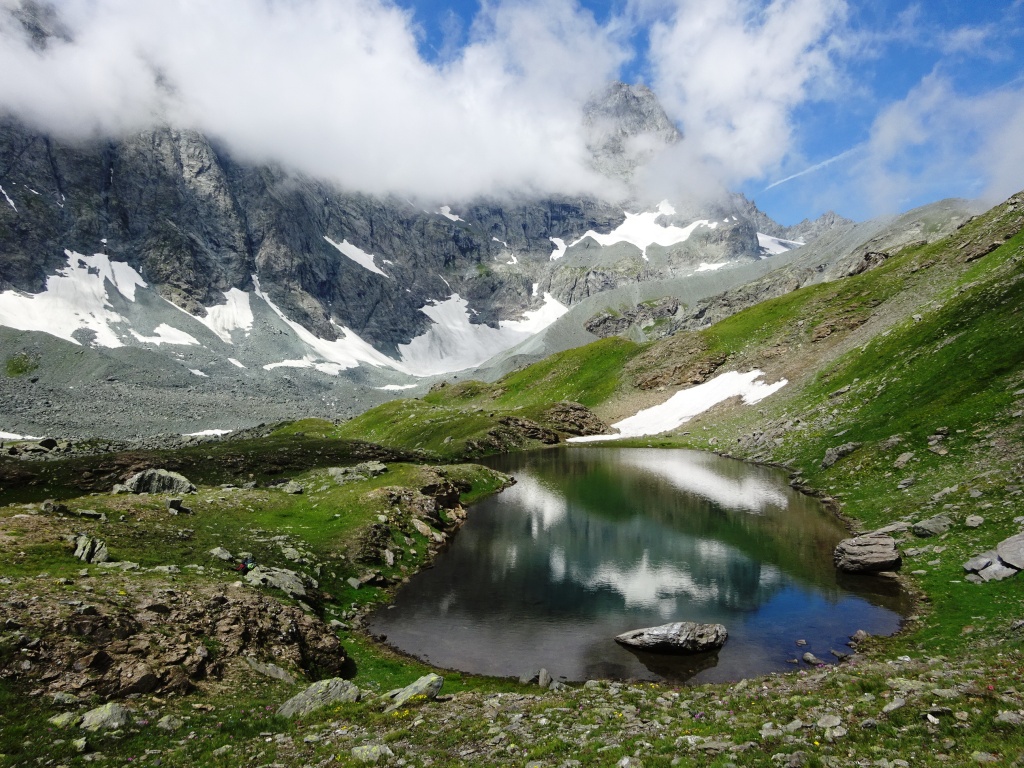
(687, 403)
(776, 245)
(453, 343)
(358, 255)
(75, 298)
(397, 387)
(446, 211)
(710, 267)
(235, 363)
(642, 230)
(560, 247)
(12, 436)
(166, 334)
(209, 432)
(234, 314)
(8, 198)
(197, 372)
(346, 352)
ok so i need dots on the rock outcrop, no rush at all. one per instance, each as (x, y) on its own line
(677, 637)
(159, 481)
(870, 553)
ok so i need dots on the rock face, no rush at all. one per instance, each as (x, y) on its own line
(161, 645)
(677, 637)
(159, 481)
(319, 694)
(871, 553)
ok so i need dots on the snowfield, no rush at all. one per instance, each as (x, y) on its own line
(687, 403)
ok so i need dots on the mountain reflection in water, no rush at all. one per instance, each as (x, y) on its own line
(592, 542)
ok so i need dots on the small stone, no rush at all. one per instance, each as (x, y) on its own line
(813, 660)
(933, 526)
(292, 487)
(221, 750)
(169, 723)
(893, 705)
(221, 554)
(372, 753)
(544, 678)
(903, 459)
(65, 720)
(829, 721)
(425, 688)
(79, 745)
(1010, 718)
(801, 643)
(974, 521)
(984, 757)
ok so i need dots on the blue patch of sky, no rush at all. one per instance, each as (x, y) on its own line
(892, 46)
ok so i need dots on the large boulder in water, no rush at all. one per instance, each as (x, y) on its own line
(870, 553)
(159, 481)
(677, 637)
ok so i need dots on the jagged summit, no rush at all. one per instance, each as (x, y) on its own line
(626, 125)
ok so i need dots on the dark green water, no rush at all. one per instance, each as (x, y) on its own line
(593, 542)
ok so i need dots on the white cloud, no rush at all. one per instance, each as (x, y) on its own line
(335, 88)
(939, 138)
(733, 71)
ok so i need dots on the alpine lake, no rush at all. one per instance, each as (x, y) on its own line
(593, 542)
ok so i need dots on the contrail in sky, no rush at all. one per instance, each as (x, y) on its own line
(813, 168)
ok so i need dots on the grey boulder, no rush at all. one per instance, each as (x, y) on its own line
(319, 694)
(426, 687)
(1011, 551)
(159, 481)
(870, 553)
(832, 455)
(108, 717)
(933, 526)
(90, 550)
(679, 637)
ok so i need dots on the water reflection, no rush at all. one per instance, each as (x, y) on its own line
(592, 542)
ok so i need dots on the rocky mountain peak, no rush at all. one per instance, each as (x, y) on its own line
(625, 126)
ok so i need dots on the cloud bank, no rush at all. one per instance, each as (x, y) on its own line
(340, 89)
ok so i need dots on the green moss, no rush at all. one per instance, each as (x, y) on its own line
(20, 364)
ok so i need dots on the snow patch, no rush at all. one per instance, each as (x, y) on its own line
(397, 387)
(12, 436)
(8, 198)
(536, 286)
(687, 403)
(446, 211)
(209, 433)
(197, 372)
(358, 255)
(710, 267)
(775, 245)
(560, 247)
(347, 352)
(166, 334)
(454, 343)
(235, 363)
(234, 314)
(643, 230)
(74, 299)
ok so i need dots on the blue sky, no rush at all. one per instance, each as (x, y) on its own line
(864, 107)
(889, 54)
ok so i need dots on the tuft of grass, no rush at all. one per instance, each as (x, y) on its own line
(20, 364)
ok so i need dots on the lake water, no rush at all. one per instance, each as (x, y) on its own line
(593, 542)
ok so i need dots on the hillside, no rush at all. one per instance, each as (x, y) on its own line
(903, 402)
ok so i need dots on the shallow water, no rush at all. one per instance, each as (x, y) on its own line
(593, 542)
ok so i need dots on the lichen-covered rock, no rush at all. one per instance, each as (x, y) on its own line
(319, 694)
(110, 716)
(679, 637)
(871, 553)
(427, 687)
(90, 550)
